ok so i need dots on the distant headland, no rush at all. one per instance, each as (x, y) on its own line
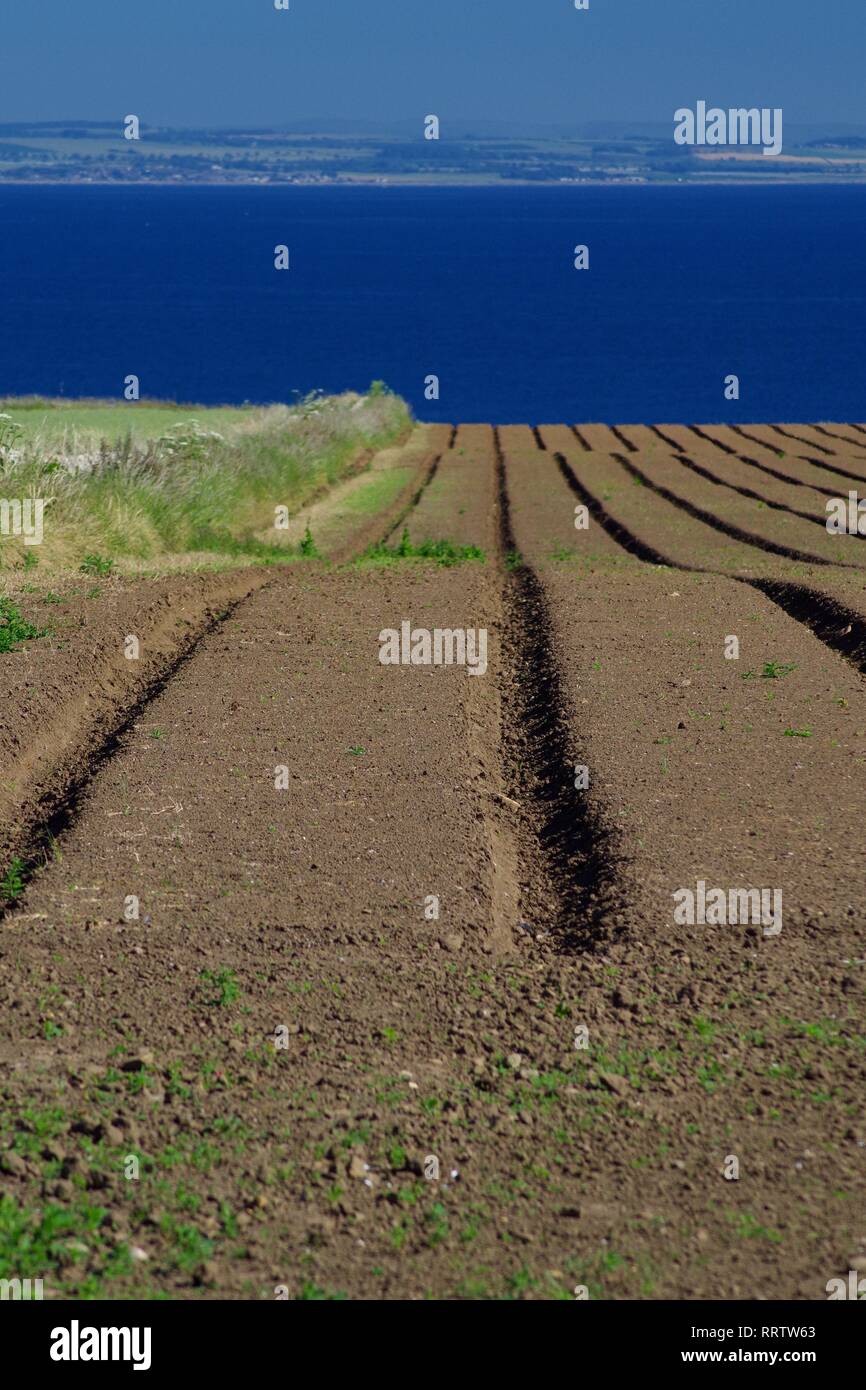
(130, 150)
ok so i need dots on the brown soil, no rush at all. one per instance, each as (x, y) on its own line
(779, 532)
(831, 599)
(459, 504)
(67, 694)
(301, 916)
(762, 488)
(790, 468)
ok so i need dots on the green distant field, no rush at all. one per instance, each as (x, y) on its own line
(51, 420)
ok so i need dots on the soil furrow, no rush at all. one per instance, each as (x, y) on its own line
(395, 524)
(710, 439)
(600, 438)
(65, 701)
(771, 497)
(711, 519)
(805, 466)
(770, 525)
(459, 506)
(712, 789)
(54, 814)
(803, 439)
(838, 465)
(619, 533)
(790, 477)
(832, 607)
(827, 433)
(571, 885)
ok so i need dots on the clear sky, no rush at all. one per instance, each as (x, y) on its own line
(240, 62)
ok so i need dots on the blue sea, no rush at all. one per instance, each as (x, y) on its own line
(476, 286)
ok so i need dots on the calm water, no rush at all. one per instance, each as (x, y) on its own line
(685, 286)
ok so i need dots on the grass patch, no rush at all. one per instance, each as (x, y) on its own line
(97, 565)
(308, 546)
(378, 492)
(31, 1242)
(12, 882)
(220, 987)
(771, 671)
(14, 627)
(442, 552)
(311, 1292)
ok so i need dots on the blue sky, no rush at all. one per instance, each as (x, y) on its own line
(531, 62)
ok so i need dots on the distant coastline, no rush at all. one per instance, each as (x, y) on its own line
(444, 183)
(99, 154)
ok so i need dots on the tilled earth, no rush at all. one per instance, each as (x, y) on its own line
(338, 978)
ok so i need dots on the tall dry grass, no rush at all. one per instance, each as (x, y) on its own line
(193, 490)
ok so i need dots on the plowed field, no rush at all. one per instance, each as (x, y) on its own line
(473, 909)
